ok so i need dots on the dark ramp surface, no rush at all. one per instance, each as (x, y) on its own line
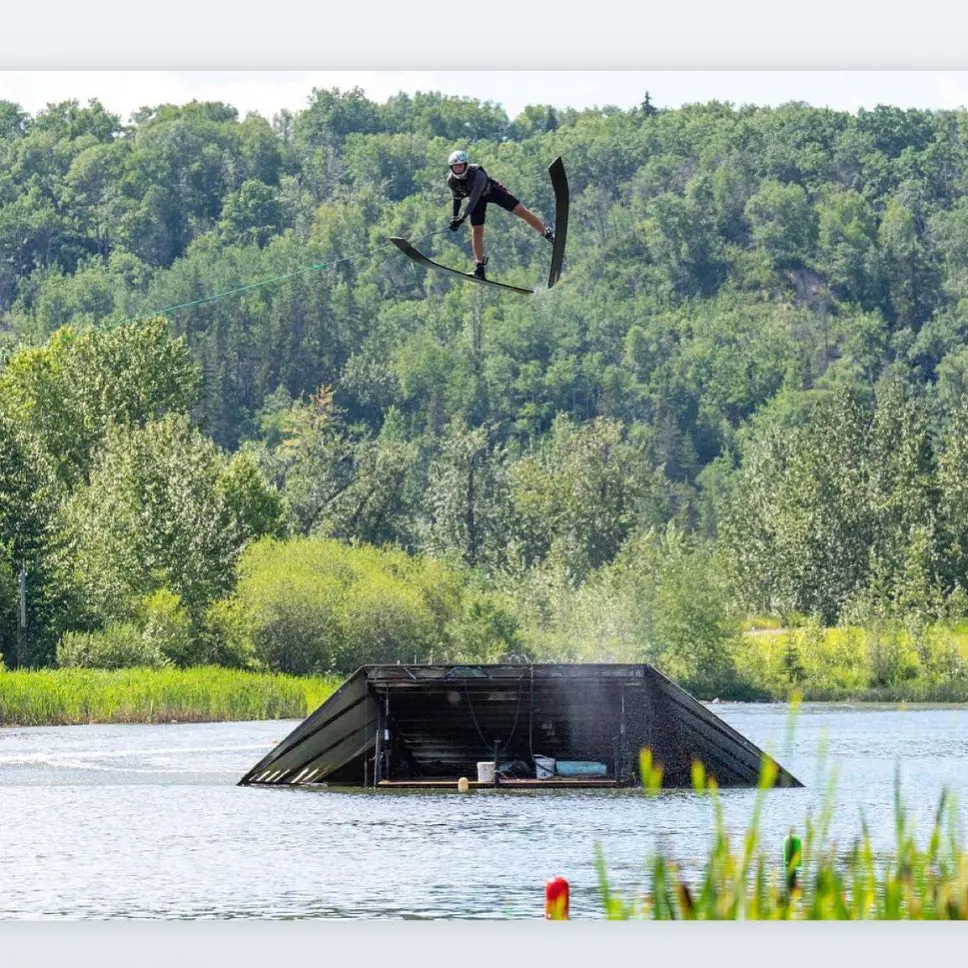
(436, 722)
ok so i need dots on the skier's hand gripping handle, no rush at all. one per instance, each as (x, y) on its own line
(456, 222)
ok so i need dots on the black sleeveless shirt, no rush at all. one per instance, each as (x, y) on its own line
(463, 187)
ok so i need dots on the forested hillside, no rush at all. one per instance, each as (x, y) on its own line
(745, 397)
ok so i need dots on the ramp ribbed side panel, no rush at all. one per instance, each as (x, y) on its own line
(338, 732)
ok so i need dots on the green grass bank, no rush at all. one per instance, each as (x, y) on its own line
(48, 697)
(888, 663)
(768, 662)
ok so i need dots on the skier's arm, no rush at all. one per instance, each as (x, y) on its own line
(456, 207)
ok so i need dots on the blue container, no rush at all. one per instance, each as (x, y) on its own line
(575, 768)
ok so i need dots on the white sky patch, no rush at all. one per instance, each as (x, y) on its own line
(952, 87)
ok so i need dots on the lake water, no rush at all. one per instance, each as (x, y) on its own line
(146, 821)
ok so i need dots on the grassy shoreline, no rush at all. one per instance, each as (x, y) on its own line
(54, 697)
(886, 663)
(769, 663)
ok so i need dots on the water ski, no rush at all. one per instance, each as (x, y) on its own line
(407, 249)
(560, 184)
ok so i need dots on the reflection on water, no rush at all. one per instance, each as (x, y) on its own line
(146, 821)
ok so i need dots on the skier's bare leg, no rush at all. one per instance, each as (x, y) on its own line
(529, 217)
(477, 242)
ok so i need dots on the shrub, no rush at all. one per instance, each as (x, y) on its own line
(312, 605)
(167, 628)
(119, 645)
(228, 631)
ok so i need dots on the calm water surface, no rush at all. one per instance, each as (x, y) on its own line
(146, 821)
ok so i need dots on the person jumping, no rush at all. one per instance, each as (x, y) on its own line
(473, 182)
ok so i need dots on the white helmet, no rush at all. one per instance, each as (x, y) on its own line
(458, 158)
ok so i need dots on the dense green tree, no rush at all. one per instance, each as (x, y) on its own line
(847, 247)
(578, 497)
(69, 392)
(162, 511)
(783, 223)
(469, 499)
(459, 120)
(28, 499)
(797, 525)
(252, 214)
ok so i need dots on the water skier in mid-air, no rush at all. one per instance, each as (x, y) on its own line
(473, 182)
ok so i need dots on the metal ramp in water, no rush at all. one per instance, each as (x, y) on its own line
(428, 725)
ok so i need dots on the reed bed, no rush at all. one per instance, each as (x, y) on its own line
(46, 697)
(813, 880)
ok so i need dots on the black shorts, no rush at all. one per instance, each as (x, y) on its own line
(497, 194)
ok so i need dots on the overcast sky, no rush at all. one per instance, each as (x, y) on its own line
(268, 91)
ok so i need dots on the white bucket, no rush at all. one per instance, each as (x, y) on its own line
(485, 772)
(544, 767)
